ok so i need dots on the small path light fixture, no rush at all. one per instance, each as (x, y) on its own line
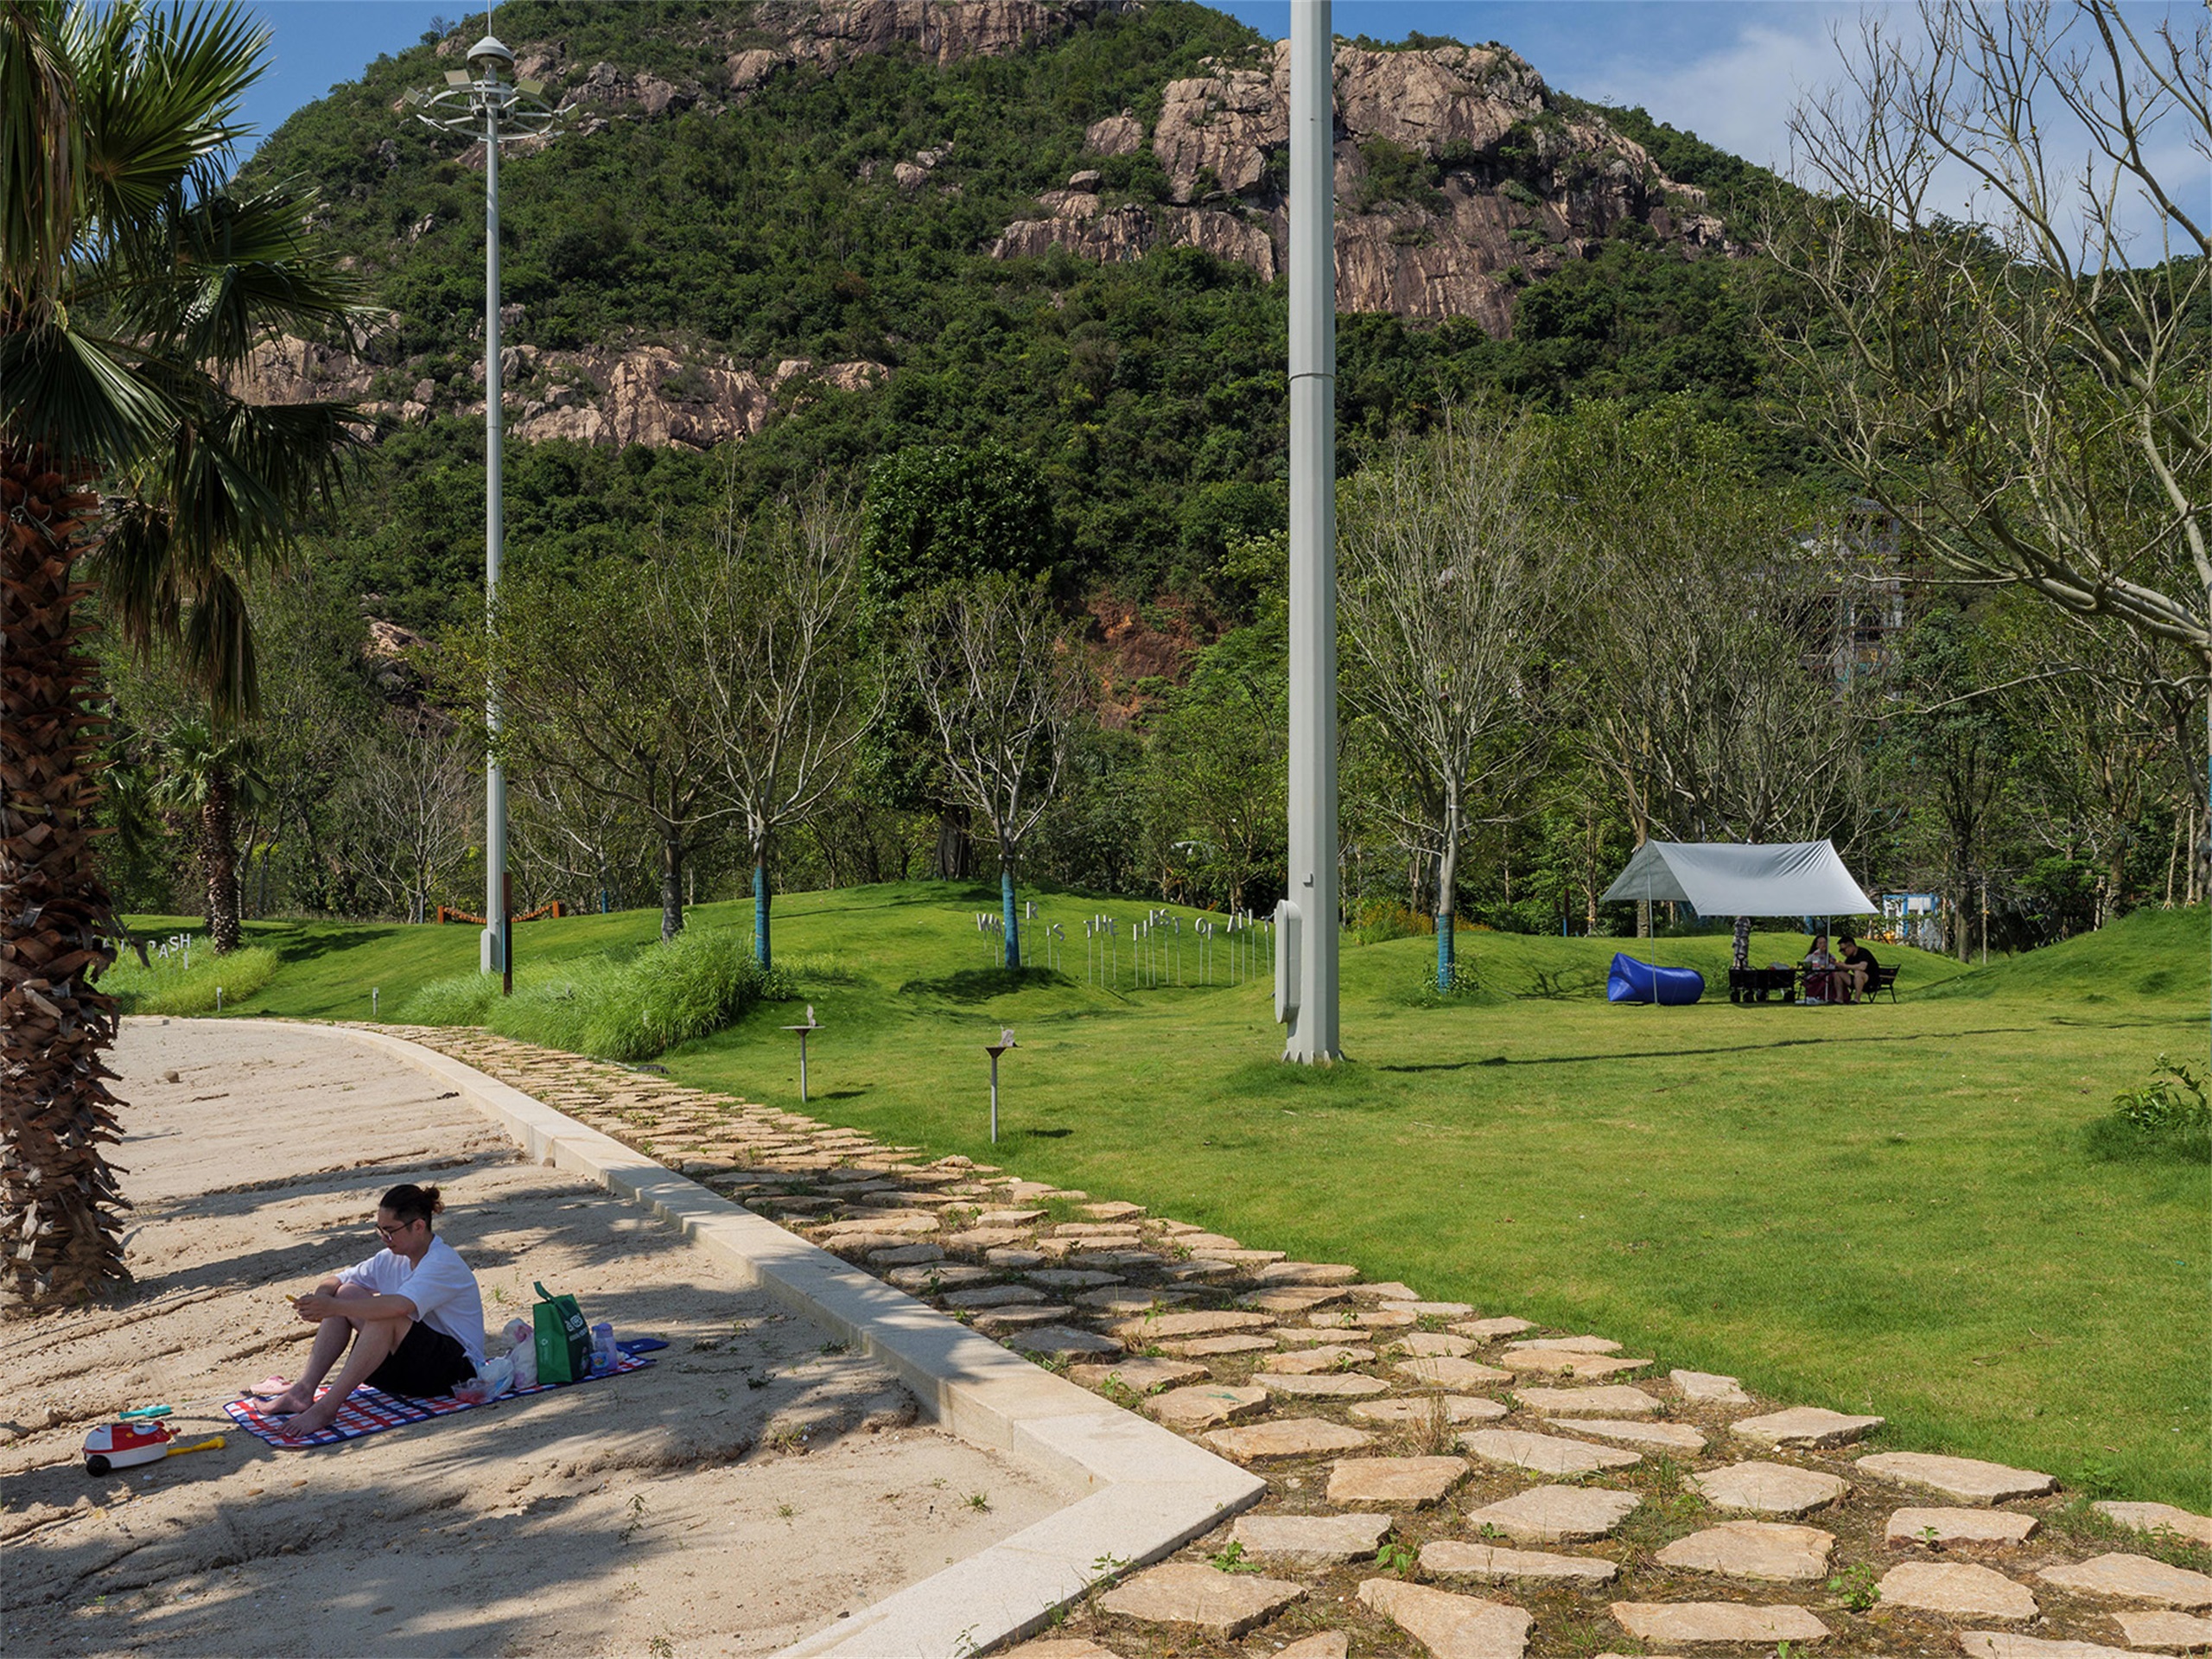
(812, 1024)
(1005, 1042)
(485, 100)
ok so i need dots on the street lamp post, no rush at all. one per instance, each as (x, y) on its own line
(479, 101)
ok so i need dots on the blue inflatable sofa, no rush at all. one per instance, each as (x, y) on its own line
(1630, 981)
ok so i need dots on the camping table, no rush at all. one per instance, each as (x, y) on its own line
(1757, 984)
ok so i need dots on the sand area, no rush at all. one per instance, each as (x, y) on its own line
(752, 1486)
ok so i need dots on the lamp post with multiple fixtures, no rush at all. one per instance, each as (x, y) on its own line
(485, 100)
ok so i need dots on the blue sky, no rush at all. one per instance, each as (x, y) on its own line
(1724, 69)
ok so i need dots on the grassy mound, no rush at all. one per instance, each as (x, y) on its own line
(628, 1007)
(168, 986)
(2152, 953)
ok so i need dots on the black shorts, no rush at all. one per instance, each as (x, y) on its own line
(426, 1364)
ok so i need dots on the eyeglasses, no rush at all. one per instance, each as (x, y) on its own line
(391, 1232)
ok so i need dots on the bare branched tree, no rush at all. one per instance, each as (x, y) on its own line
(2028, 389)
(1002, 684)
(412, 783)
(1448, 601)
(772, 629)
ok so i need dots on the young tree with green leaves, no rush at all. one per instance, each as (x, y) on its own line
(132, 282)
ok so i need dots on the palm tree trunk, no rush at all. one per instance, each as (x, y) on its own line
(57, 1194)
(218, 858)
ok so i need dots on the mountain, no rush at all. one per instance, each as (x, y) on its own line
(826, 230)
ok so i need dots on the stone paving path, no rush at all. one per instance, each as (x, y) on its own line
(1442, 1478)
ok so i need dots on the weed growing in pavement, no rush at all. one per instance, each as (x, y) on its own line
(1437, 1435)
(637, 1516)
(1396, 1557)
(1855, 1588)
(1230, 1558)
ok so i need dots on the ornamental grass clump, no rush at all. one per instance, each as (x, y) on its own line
(626, 1008)
(166, 985)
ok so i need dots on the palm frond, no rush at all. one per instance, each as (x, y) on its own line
(72, 392)
(41, 152)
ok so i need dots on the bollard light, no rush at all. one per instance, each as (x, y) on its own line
(1005, 1042)
(811, 1025)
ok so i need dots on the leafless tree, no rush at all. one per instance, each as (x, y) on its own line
(2028, 388)
(1002, 684)
(772, 631)
(412, 783)
(1447, 596)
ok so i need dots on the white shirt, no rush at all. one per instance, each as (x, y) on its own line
(441, 1286)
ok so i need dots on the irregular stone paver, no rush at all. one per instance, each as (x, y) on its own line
(1422, 1408)
(1556, 1515)
(1386, 1318)
(1449, 1626)
(1308, 1273)
(1009, 1218)
(904, 1256)
(1958, 1588)
(1348, 1385)
(1618, 1400)
(1206, 1406)
(1311, 1539)
(1061, 1647)
(998, 1320)
(949, 1277)
(1299, 1336)
(1015, 1260)
(1709, 1387)
(1716, 1621)
(1673, 1437)
(1328, 1644)
(2159, 1517)
(1113, 1211)
(1435, 1345)
(1959, 1527)
(1064, 1341)
(2003, 1644)
(1804, 1425)
(1768, 1488)
(1544, 1454)
(1446, 1372)
(1389, 1291)
(2164, 1629)
(1572, 1345)
(1138, 1376)
(1968, 1479)
(993, 1296)
(1185, 1592)
(1203, 1347)
(1294, 1299)
(1327, 1357)
(1125, 1300)
(1071, 1278)
(1413, 1482)
(1567, 1361)
(1288, 1437)
(1439, 1310)
(1753, 1549)
(1150, 1329)
(1489, 1330)
(1488, 1562)
(2139, 1578)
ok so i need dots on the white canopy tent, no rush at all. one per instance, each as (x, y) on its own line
(1797, 878)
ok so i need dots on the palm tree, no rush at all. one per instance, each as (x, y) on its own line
(212, 773)
(131, 282)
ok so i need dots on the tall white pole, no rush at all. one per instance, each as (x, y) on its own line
(495, 781)
(1306, 961)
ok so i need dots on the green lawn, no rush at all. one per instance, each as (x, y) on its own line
(1875, 1207)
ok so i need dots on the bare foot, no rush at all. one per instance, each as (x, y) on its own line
(312, 1420)
(271, 1388)
(293, 1399)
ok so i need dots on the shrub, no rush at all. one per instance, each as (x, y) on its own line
(615, 1009)
(2167, 1118)
(167, 986)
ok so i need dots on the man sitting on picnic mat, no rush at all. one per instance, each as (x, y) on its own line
(411, 1312)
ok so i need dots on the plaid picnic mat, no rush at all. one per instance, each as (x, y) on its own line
(370, 1411)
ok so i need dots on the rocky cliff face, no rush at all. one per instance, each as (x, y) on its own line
(1456, 179)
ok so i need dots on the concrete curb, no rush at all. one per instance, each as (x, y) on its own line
(1150, 1491)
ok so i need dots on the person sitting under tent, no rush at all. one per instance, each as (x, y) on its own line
(1856, 968)
(1823, 982)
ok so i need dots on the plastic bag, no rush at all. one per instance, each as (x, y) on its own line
(524, 1363)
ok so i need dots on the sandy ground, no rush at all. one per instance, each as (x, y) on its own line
(752, 1486)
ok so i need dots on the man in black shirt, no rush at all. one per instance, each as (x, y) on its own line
(1856, 965)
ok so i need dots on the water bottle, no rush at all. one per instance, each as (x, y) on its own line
(602, 1347)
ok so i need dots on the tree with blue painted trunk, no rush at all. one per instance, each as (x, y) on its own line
(786, 690)
(1002, 683)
